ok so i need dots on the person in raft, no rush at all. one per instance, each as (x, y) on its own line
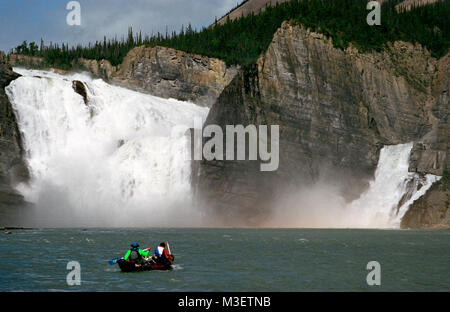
(161, 254)
(135, 254)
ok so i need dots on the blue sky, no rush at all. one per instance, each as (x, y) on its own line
(32, 20)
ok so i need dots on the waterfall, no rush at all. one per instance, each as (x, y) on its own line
(394, 189)
(382, 205)
(121, 159)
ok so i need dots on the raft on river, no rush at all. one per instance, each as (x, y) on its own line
(129, 266)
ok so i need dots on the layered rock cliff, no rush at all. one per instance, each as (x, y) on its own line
(12, 167)
(431, 155)
(335, 109)
(170, 73)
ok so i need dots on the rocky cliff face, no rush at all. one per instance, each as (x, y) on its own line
(170, 73)
(431, 155)
(100, 69)
(12, 168)
(431, 211)
(335, 109)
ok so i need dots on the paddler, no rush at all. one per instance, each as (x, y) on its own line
(161, 254)
(135, 254)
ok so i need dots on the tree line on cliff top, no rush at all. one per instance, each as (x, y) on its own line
(241, 41)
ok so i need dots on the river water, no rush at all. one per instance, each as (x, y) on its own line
(229, 260)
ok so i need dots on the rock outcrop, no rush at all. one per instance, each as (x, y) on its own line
(335, 109)
(29, 61)
(431, 211)
(170, 73)
(80, 88)
(100, 69)
(12, 167)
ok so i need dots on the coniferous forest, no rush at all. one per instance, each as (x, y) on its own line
(241, 41)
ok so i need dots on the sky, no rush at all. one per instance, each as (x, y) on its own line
(32, 20)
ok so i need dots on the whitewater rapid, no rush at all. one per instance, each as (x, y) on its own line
(121, 159)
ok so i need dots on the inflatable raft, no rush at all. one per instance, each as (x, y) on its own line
(128, 266)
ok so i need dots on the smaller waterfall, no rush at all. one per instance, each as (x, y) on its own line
(394, 189)
(382, 205)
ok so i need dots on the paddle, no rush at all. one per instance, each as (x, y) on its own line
(114, 261)
(168, 248)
